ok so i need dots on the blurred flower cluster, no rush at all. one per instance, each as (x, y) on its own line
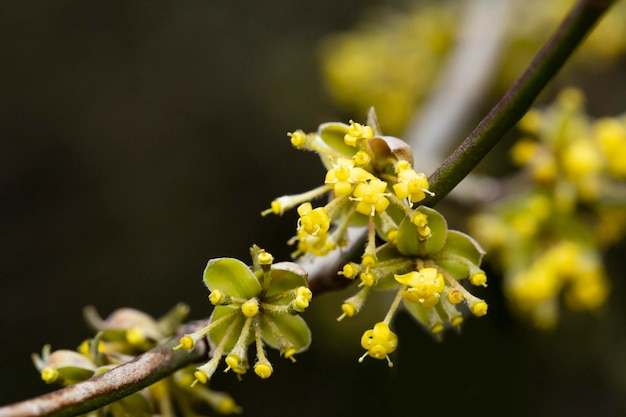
(568, 206)
(393, 59)
(370, 182)
(122, 336)
(258, 304)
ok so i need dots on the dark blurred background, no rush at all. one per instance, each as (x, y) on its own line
(139, 139)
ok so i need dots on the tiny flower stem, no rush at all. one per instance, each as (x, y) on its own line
(394, 305)
(355, 303)
(260, 352)
(267, 279)
(281, 309)
(393, 266)
(283, 343)
(371, 237)
(334, 204)
(469, 297)
(290, 201)
(339, 234)
(220, 347)
(401, 203)
(209, 368)
(516, 101)
(216, 323)
(241, 347)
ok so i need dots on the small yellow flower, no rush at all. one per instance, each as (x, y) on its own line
(523, 151)
(455, 296)
(236, 363)
(610, 134)
(479, 278)
(361, 158)
(371, 197)
(358, 133)
(312, 221)
(216, 297)
(265, 258)
(298, 138)
(344, 175)
(263, 369)
(379, 342)
(349, 309)
(479, 308)
(425, 286)
(135, 336)
(588, 292)
(303, 298)
(316, 245)
(581, 158)
(187, 342)
(350, 270)
(368, 279)
(49, 375)
(411, 185)
(421, 221)
(250, 308)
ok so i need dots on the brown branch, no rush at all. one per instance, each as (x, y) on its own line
(113, 385)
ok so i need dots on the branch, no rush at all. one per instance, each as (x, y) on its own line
(517, 99)
(113, 385)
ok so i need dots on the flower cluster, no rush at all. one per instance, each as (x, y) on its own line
(579, 160)
(125, 334)
(372, 183)
(258, 304)
(549, 236)
(366, 174)
(396, 58)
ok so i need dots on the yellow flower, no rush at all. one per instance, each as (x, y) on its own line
(358, 133)
(314, 222)
(425, 286)
(344, 175)
(411, 185)
(610, 133)
(371, 197)
(379, 342)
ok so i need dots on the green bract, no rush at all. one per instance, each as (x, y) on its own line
(293, 332)
(410, 243)
(460, 256)
(331, 135)
(232, 277)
